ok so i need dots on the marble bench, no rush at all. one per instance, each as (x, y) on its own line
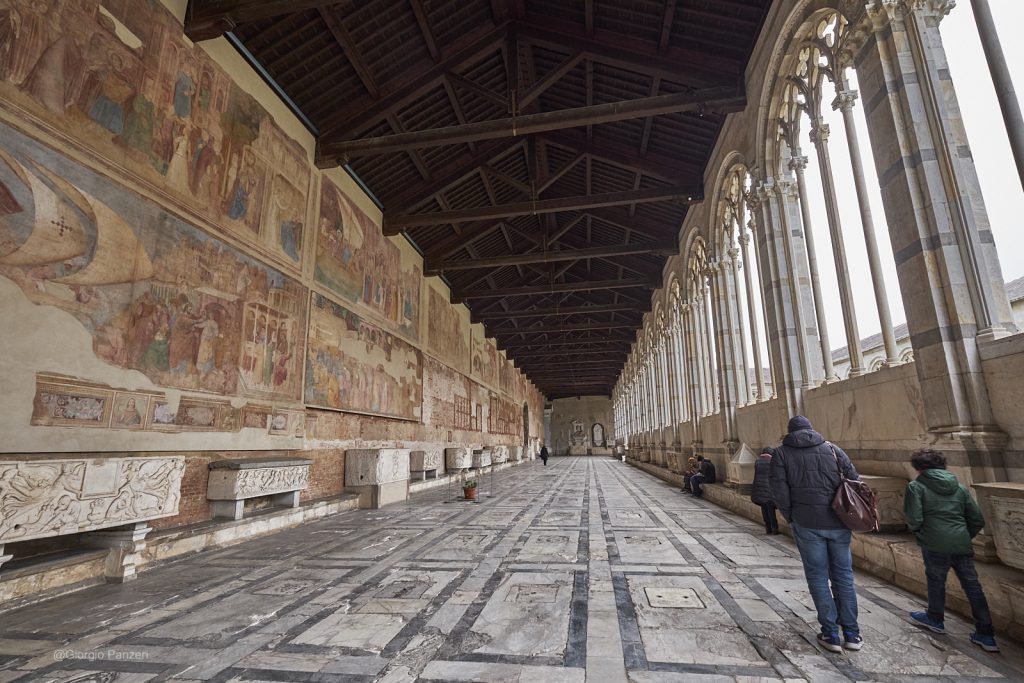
(426, 463)
(110, 499)
(232, 482)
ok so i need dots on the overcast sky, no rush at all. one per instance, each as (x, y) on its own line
(987, 135)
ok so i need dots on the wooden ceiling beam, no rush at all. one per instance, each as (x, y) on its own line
(555, 75)
(434, 267)
(686, 66)
(719, 99)
(207, 19)
(615, 342)
(360, 114)
(525, 356)
(394, 224)
(424, 24)
(355, 57)
(545, 312)
(585, 286)
(571, 327)
(666, 25)
(626, 157)
(477, 89)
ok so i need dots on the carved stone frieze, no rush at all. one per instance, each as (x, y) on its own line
(238, 480)
(1003, 505)
(43, 498)
(499, 454)
(482, 458)
(458, 458)
(420, 461)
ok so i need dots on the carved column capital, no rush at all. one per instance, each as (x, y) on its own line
(819, 133)
(845, 99)
(797, 161)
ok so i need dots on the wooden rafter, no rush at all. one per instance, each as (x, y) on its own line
(424, 23)
(587, 285)
(719, 99)
(206, 19)
(560, 311)
(435, 267)
(355, 57)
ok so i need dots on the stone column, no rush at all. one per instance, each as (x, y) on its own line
(946, 262)
(755, 336)
(743, 369)
(797, 164)
(726, 379)
(1005, 93)
(844, 101)
(707, 315)
(673, 379)
(819, 136)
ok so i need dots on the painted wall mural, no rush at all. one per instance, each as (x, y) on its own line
(451, 399)
(354, 365)
(447, 331)
(485, 359)
(157, 295)
(355, 261)
(122, 80)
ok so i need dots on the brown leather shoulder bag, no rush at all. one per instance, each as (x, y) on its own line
(854, 502)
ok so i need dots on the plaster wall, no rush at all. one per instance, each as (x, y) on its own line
(585, 411)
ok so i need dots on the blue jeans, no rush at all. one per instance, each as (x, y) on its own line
(826, 556)
(936, 567)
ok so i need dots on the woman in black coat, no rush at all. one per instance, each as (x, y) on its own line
(761, 492)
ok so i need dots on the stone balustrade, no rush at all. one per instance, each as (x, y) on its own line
(232, 482)
(379, 475)
(46, 498)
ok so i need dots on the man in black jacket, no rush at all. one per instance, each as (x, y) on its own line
(705, 475)
(761, 491)
(804, 478)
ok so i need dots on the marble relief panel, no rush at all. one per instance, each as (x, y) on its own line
(122, 80)
(156, 294)
(356, 262)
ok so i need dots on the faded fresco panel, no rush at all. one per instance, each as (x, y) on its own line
(157, 295)
(485, 358)
(355, 261)
(354, 365)
(122, 80)
(447, 331)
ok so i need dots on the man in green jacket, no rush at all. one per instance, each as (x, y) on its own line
(945, 518)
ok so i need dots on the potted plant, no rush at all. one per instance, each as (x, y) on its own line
(469, 489)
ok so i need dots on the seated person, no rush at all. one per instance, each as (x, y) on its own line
(691, 469)
(705, 475)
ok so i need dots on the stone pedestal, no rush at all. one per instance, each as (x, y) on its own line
(379, 475)
(426, 463)
(1003, 506)
(889, 492)
(45, 498)
(124, 545)
(740, 470)
(232, 482)
(460, 458)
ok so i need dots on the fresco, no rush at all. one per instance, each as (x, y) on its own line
(451, 399)
(355, 261)
(354, 365)
(447, 331)
(485, 359)
(157, 295)
(507, 377)
(122, 80)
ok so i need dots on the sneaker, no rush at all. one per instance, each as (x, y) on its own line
(987, 643)
(830, 642)
(921, 619)
(852, 641)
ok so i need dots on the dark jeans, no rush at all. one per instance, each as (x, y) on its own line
(686, 482)
(771, 522)
(826, 557)
(936, 567)
(695, 483)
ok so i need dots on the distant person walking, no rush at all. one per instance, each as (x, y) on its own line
(761, 491)
(705, 475)
(544, 454)
(804, 478)
(941, 511)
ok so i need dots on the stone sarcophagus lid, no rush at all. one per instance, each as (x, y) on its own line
(482, 458)
(379, 475)
(425, 462)
(1003, 506)
(232, 482)
(458, 458)
(499, 454)
(45, 498)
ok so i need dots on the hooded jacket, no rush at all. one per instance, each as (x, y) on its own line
(761, 491)
(804, 479)
(942, 513)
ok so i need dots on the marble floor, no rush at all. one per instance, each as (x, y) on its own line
(586, 569)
